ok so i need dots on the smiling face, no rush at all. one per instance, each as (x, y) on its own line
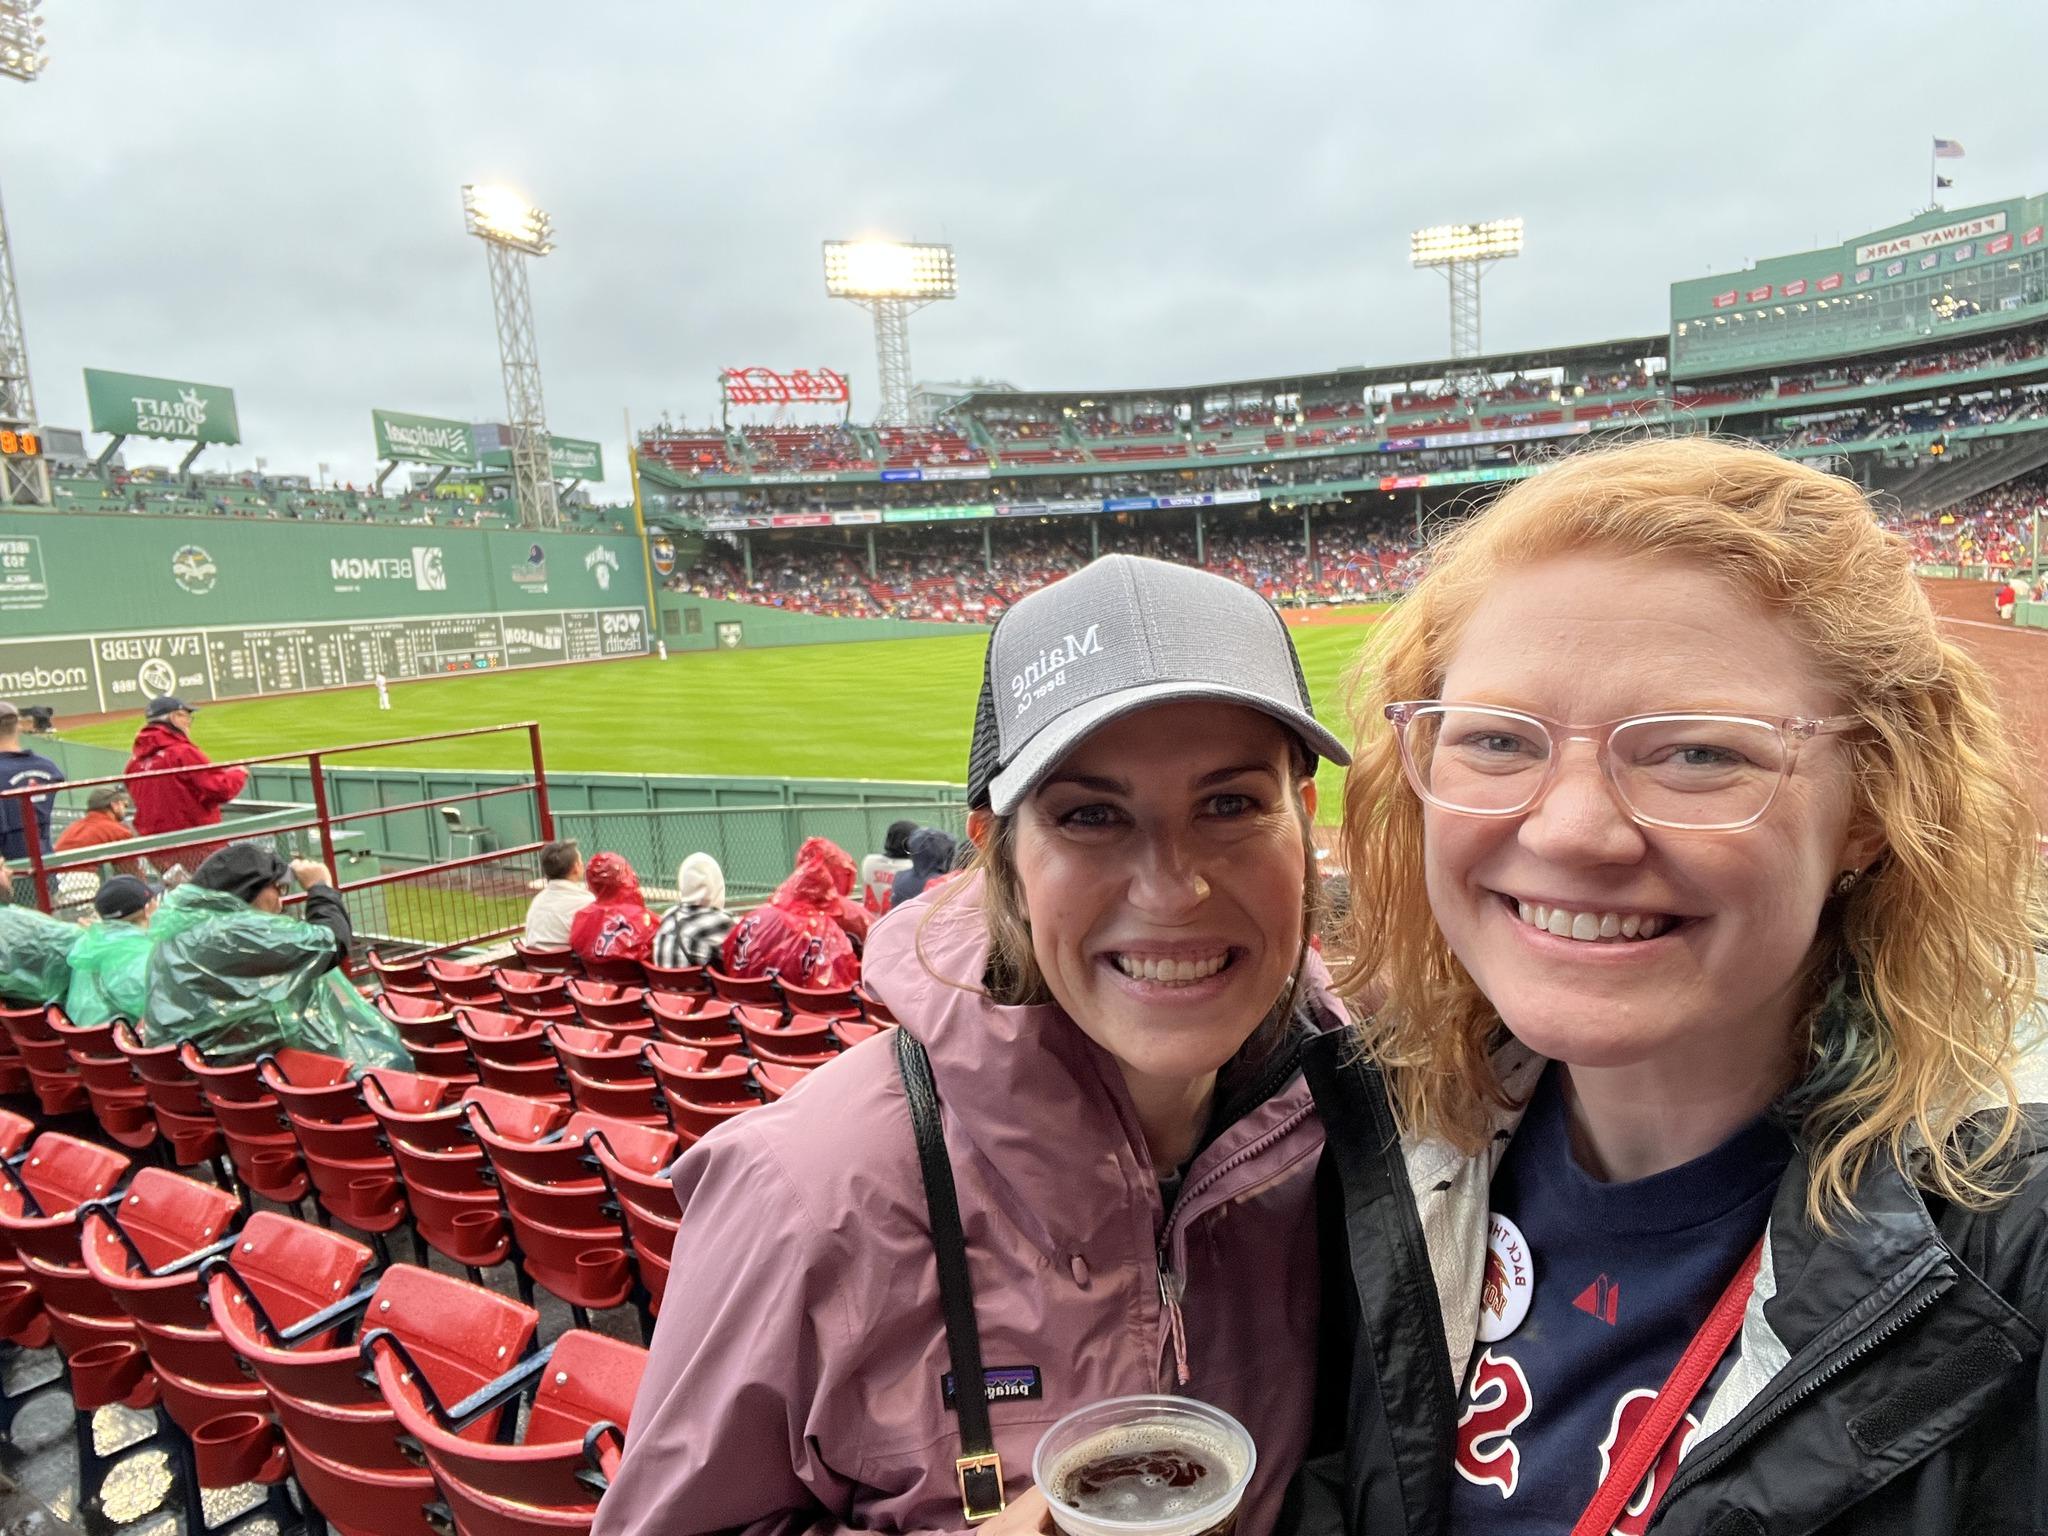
(1161, 865)
(1540, 908)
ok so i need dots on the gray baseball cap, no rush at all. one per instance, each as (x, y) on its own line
(1121, 635)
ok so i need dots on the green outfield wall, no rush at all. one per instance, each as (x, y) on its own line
(101, 611)
(705, 624)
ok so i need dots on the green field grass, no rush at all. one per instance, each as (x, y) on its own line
(889, 709)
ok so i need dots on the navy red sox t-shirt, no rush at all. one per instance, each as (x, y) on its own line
(1616, 1280)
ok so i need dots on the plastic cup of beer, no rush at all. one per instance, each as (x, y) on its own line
(1145, 1466)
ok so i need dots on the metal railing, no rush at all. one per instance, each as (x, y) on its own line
(477, 894)
(755, 845)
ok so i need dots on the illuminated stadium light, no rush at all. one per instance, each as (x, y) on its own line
(501, 215)
(885, 269)
(1463, 252)
(513, 230)
(22, 51)
(1442, 243)
(893, 279)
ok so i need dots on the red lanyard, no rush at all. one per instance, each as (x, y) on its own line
(1626, 1472)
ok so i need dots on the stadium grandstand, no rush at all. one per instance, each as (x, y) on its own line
(1913, 359)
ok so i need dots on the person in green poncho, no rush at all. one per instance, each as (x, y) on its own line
(234, 974)
(110, 958)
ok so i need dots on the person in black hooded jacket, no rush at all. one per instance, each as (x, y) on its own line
(931, 855)
(1692, 1177)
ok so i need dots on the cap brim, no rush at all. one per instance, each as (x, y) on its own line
(1042, 753)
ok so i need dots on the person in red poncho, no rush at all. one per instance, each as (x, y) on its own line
(848, 913)
(617, 924)
(797, 935)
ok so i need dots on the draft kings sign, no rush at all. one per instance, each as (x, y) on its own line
(138, 406)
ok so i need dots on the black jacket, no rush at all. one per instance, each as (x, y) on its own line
(1909, 1396)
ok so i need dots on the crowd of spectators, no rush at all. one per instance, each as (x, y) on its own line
(1994, 527)
(942, 574)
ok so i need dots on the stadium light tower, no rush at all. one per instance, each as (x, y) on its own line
(24, 477)
(1463, 252)
(513, 230)
(893, 280)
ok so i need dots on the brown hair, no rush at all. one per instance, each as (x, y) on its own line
(1940, 934)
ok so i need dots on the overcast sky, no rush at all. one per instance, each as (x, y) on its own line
(266, 195)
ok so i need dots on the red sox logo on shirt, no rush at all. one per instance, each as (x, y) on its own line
(1496, 1404)
(1629, 1413)
(1499, 1401)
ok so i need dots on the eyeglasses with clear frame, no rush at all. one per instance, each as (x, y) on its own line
(1686, 771)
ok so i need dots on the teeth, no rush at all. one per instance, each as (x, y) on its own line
(1173, 973)
(1591, 927)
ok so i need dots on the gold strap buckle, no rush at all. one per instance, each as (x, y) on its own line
(988, 1463)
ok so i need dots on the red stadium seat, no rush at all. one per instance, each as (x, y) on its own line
(699, 1021)
(571, 1236)
(354, 1176)
(454, 1211)
(176, 1098)
(777, 1080)
(58, 1087)
(547, 961)
(284, 1304)
(145, 1250)
(850, 1032)
(118, 1101)
(512, 1054)
(409, 975)
(681, 980)
(260, 1145)
(758, 990)
(582, 1388)
(831, 1002)
(619, 970)
(606, 1005)
(639, 1177)
(802, 1040)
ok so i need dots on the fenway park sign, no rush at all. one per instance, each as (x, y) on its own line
(764, 386)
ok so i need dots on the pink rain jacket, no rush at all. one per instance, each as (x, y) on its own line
(796, 1377)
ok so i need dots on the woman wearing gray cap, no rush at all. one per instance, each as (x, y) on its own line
(1107, 1011)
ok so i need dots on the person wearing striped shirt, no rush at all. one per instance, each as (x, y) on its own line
(695, 927)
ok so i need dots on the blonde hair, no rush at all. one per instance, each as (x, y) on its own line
(1939, 935)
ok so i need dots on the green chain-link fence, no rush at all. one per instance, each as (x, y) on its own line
(755, 845)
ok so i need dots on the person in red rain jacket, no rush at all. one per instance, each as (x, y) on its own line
(616, 925)
(176, 802)
(797, 935)
(848, 912)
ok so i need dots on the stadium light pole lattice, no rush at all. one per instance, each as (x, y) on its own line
(893, 280)
(513, 230)
(24, 478)
(1463, 252)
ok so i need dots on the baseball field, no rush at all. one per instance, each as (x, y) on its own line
(892, 709)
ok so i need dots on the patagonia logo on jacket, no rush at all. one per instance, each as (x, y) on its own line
(1003, 1383)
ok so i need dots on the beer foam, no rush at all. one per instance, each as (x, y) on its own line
(1141, 1501)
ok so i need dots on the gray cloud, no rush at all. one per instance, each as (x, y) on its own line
(266, 196)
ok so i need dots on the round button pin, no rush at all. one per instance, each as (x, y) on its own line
(1510, 1280)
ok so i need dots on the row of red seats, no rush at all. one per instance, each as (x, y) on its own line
(250, 1338)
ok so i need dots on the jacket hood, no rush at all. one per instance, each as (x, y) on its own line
(700, 882)
(610, 878)
(812, 887)
(834, 857)
(931, 852)
(157, 735)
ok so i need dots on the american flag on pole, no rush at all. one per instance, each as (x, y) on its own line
(1948, 149)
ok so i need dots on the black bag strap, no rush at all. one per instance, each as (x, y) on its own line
(978, 1468)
